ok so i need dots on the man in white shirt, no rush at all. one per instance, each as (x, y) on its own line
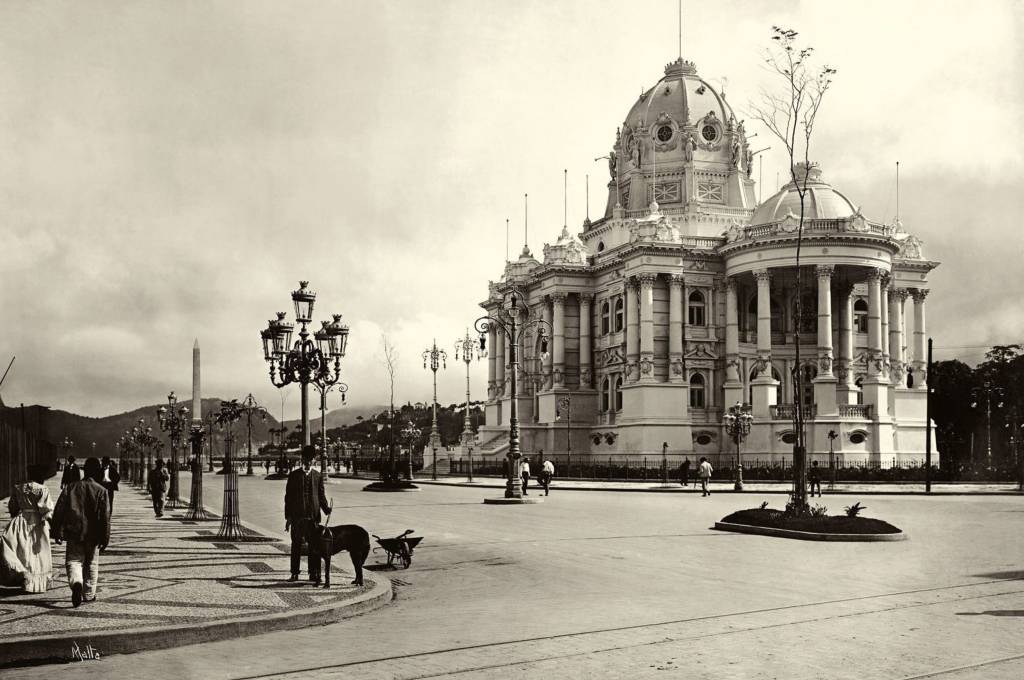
(704, 472)
(524, 470)
(547, 472)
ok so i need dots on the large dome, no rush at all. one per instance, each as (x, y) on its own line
(682, 96)
(822, 202)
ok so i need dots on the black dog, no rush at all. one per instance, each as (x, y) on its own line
(350, 537)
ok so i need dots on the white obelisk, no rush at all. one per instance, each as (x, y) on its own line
(197, 404)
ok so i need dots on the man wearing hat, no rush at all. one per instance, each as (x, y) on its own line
(303, 499)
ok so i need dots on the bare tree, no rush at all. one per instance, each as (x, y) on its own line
(790, 113)
(390, 361)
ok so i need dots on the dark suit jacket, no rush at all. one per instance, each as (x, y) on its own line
(82, 514)
(115, 478)
(304, 496)
(72, 474)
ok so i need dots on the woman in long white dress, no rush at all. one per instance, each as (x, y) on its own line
(25, 558)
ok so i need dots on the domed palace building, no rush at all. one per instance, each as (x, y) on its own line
(681, 301)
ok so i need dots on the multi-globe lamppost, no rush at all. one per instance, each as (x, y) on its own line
(410, 434)
(737, 421)
(512, 322)
(230, 525)
(195, 501)
(437, 358)
(323, 387)
(250, 407)
(305, 361)
(66, 447)
(465, 348)
(988, 392)
(173, 421)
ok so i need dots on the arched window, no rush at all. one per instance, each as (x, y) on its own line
(600, 246)
(695, 315)
(859, 382)
(697, 396)
(860, 316)
(619, 320)
(618, 393)
(910, 377)
(606, 318)
(606, 388)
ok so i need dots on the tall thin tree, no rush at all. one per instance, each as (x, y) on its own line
(390, 360)
(790, 113)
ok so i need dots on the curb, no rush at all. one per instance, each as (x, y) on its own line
(784, 489)
(57, 648)
(808, 535)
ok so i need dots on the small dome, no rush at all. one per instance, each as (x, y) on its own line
(682, 96)
(822, 202)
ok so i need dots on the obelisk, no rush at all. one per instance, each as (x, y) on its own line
(197, 404)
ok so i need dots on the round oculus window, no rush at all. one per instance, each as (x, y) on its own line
(664, 133)
(857, 438)
(709, 132)
(789, 438)
(703, 439)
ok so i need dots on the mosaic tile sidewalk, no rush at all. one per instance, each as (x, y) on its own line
(167, 582)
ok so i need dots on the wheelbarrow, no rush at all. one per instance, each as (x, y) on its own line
(400, 547)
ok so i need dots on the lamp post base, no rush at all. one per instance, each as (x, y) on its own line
(738, 485)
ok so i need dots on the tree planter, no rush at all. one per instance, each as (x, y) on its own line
(766, 522)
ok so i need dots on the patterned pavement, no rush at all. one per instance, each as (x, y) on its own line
(168, 581)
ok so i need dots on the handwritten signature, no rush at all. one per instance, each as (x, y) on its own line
(89, 653)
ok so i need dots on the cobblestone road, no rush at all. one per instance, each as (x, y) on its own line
(604, 584)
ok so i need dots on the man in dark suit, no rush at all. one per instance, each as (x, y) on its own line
(304, 498)
(82, 519)
(72, 473)
(111, 479)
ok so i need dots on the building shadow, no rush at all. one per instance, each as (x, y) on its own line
(994, 612)
(1006, 575)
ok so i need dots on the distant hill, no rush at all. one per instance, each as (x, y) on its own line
(55, 425)
(339, 417)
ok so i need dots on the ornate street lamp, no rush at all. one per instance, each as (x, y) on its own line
(832, 436)
(410, 434)
(988, 392)
(737, 423)
(513, 321)
(323, 387)
(174, 422)
(465, 348)
(66, 447)
(195, 501)
(437, 358)
(249, 407)
(305, 361)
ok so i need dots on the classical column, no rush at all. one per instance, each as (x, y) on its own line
(824, 272)
(764, 323)
(733, 384)
(499, 365)
(675, 328)
(883, 312)
(632, 329)
(548, 360)
(492, 374)
(847, 392)
(647, 326)
(586, 377)
(825, 382)
(874, 353)
(898, 370)
(710, 317)
(558, 338)
(763, 386)
(920, 335)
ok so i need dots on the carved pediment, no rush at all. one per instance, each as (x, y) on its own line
(700, 350)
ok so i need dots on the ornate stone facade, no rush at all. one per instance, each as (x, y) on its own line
(682, 300)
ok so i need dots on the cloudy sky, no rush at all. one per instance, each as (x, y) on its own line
(170, 170)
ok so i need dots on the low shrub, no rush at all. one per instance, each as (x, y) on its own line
(829, 524)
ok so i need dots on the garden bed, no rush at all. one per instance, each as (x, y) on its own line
(828, 525)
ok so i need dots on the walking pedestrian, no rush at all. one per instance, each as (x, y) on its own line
(111, 479)
(704, 472)
(159, 479)
(547, 472)
(304, 498)
(814, 478)
(82, 519)
(524, 470)
(72, 473)
(25, 559)
(684, 472)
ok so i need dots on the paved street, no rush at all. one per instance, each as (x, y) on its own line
(605, 584)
